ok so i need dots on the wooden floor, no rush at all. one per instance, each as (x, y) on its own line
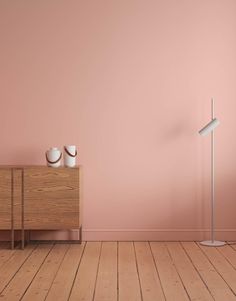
(112, 271)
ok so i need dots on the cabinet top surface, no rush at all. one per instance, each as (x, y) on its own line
(36, 166)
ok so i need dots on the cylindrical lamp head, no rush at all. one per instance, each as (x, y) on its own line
(209, 127)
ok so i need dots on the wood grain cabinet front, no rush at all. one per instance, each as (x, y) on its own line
(51, 198)
(5, 199)
(39, 198)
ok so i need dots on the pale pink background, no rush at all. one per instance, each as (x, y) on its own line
(129, 82)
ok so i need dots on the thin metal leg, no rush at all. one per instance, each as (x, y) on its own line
(22, 239)
(12, 211)
(80, 234)
(22, 211)
(12, 239)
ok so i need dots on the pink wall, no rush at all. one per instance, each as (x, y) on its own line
(130, 83)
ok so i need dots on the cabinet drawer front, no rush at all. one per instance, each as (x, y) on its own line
(5, 198)
(51, 198)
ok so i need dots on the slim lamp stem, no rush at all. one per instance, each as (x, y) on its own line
(212, 178)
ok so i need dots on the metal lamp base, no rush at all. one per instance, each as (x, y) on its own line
(214, 243)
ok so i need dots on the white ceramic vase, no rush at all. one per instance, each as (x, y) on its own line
(70, 153)
(53, 157)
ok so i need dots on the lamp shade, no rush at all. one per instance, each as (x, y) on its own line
(209, 127)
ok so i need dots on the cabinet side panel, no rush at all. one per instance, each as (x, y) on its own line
(51, 198)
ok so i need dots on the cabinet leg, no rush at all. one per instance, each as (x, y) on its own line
(12, 239)
(22, 239)
(80, 234)
(22, 211)
(12, 211)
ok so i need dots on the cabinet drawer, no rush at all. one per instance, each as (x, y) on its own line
(51, 198)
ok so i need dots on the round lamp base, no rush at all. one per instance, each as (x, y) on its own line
(214, 243)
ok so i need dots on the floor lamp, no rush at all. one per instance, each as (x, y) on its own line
(207, 129)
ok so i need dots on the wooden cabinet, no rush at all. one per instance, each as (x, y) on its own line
(39, 198)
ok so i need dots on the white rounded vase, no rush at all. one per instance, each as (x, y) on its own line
(53, 157)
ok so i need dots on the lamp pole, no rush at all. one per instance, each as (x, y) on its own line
(212, 176)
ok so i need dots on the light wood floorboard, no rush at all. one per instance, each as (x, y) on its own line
(12, 265)
(118, 271)
(22, 279)
(106, 286)
(195, 286)
(85, 280)
(5, 253)
(128, 284)
(222, 265)
(62, 284)
(215, 283)
(170, 279)
(42, 282)
(230, 254)
(149, 278)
